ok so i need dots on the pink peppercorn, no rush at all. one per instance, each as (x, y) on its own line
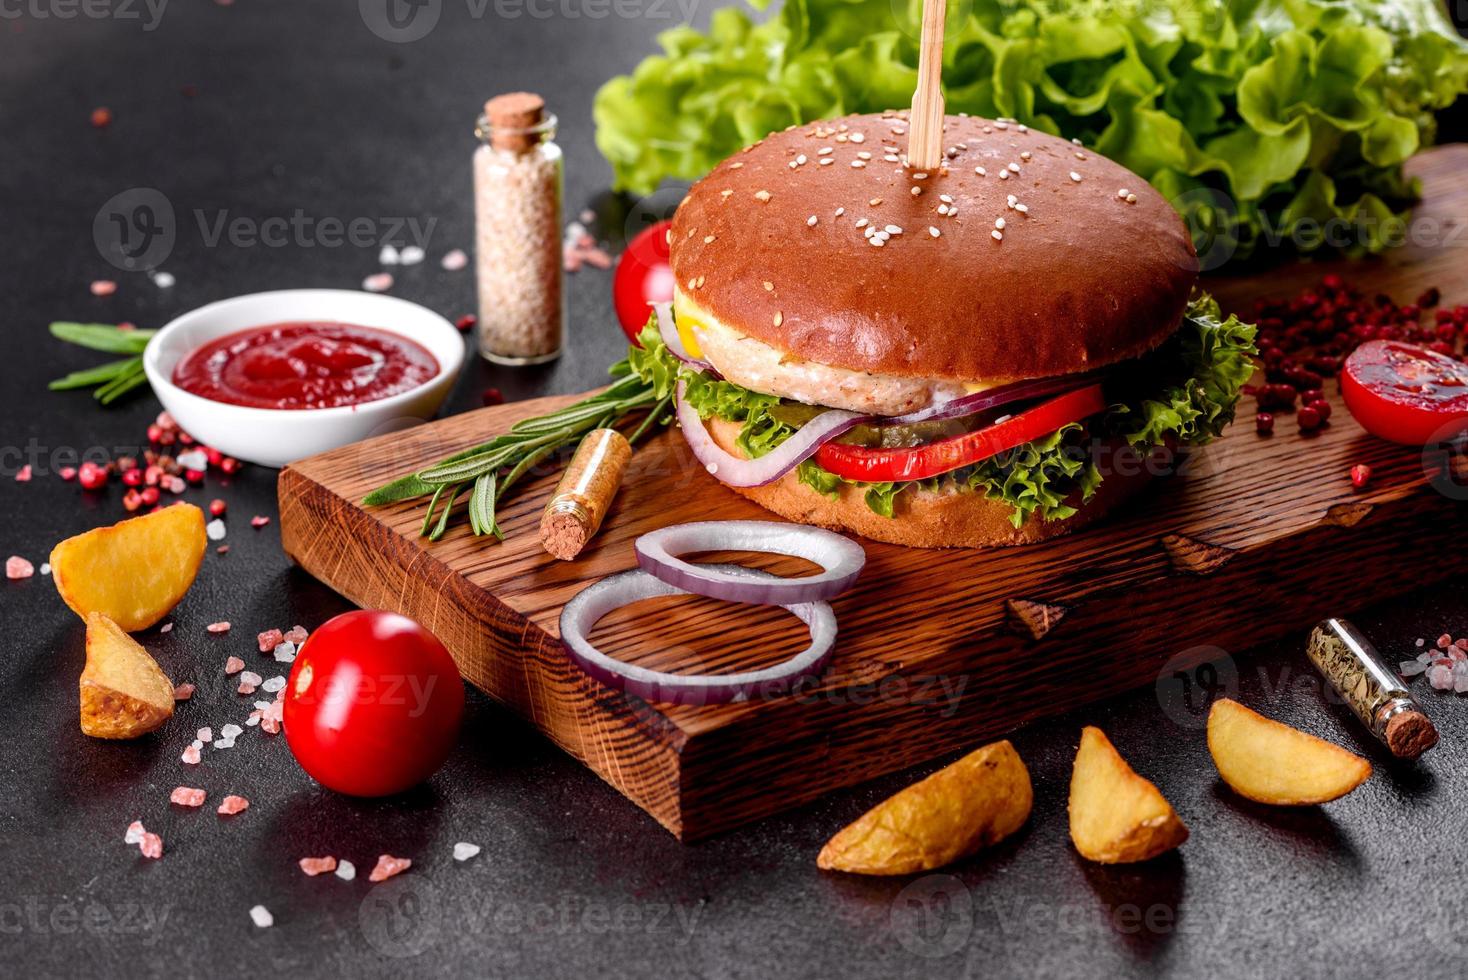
(1360, 476)
(1264, 423)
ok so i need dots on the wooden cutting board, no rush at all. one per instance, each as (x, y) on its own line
(938, 650)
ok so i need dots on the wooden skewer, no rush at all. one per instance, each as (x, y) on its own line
(925, 129)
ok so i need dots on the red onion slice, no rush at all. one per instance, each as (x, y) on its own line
(735, 471)
(582, 613)
(668, 330)
(840, 558)
(981, 401)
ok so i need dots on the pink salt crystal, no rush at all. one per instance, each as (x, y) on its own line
(251, 678)
(103, 287)
(1440, 677)
(205, 734)
(166, 628)
(183, 692)
(191, 755)
(1461, 643)
(186, 796)
(269, 725)
(220, 627)
(151, 845)
(379, 282)
(296, 635)
(317, 866)
(245, 688)
(455, 260)
(234, 665)
(23, 475)
(259, 521)
(17, 567)
(597, 257)
(1444, 641)
(269, 640)
(135, 831)
(231, 805)
(387, 866)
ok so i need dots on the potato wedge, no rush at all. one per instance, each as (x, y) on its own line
(1116, 816)
(1269, 762)
(133, 572)
(973, 803)
(124, 692)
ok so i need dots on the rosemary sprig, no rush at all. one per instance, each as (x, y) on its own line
(491, 468)
(113, 379)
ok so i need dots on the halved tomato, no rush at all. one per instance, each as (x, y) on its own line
(1405, 393)
(936, 458)
(643, 277)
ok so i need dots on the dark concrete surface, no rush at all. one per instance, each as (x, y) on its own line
(300, 106)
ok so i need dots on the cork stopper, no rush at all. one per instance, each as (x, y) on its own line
(513, 118)
(1409, 734)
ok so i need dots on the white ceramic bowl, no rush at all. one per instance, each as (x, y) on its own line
(274, 437)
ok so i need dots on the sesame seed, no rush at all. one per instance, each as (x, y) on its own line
(699, 283)
(769, 286)
(875, 201)
(945, 198)
(1013, 200)
(800, 159)
(999, 223)
(824, 151)
(778, 318)
(692, 283)
(892, 158)
(898, 130)
(1075, 176)
(811, 221)
(1025, 156)
(998, 235)
(1001, 125)
(840, 137)
(861, 222)
(920, 176)
(840, 212)
(1122, 193)
(942, 209)
(725, 192)
(863, 155)
(826, 160)
(708, 239)
(858, 164)
(988, 129)
(893, 230)
(1131, 199)
(869, 233)
(1023, 128)
(933, 231)
(916, 190)
(762, 196)
(858, 138)
(1076, 140)
(792, 165)
(1014, 168)
(1004, 175)
(981, 171)
(1080, 155)
(735, 165)
(877, 242)
(953, 212)
(1022, 208)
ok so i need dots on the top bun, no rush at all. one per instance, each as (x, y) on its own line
(771, 244)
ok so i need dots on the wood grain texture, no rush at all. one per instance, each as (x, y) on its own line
(938, 650)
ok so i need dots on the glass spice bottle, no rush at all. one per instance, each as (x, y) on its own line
(518, 178)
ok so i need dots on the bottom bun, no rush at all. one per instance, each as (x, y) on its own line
(922, 518)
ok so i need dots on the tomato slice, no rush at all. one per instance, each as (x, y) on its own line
(1405, 393)
(644, 276)
(921, 462)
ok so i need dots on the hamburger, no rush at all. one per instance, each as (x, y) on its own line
(990, 353)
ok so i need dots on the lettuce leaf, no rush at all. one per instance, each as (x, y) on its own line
(1267, 123)
(1186, 391)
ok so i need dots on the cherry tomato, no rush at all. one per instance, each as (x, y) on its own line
(935, 458)
(1405, 393)
(643, 276)
(372, 705)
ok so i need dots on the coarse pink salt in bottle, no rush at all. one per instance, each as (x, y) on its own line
(517, 228)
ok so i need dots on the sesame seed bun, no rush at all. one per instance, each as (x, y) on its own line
(921, 518)
(1096, 269)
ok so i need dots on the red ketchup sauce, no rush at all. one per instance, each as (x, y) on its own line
(313, 364)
